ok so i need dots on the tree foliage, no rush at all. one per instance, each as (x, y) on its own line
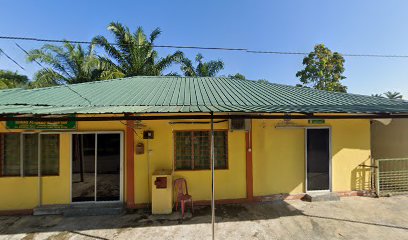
(130, 54)
(237, 76)
(9, 79)
(323, 70)
(203, 69)
(264, 81)
(133, 54)
(393, 95)
(66, 64)
(389, 95)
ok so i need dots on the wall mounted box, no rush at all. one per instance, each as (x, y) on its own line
(148, 134)
(140, 148)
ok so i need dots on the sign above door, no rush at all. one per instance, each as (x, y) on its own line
(317, 121)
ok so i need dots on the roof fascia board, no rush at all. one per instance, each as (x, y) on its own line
(40, 118)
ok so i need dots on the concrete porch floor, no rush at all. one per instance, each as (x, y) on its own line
(350, 218)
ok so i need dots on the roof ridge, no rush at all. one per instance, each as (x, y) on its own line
(11, 89)
(188, 78)
(75, 84)
(116, 79)
(330, 92)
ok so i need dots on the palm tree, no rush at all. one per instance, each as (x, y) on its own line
(66, 64)
(203, 69)
(133, 54)
(9, 79)
(393, 95)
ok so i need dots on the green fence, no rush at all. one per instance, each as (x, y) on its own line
(392, 176)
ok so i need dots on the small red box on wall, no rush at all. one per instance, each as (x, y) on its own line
(161, 182)
(140, 148)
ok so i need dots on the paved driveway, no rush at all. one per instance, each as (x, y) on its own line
(350, 218)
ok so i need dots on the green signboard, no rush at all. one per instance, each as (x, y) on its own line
(59, 125)
(317, 121)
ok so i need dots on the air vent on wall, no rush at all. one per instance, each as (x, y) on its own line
(239, 124)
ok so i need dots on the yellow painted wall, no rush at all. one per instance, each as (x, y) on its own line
(390, 141)
(230, 183)
(279, 156)
(278, 162)
(350, 148)
(22, 192)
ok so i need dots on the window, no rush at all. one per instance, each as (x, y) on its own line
(30, 154)
(19, 154)
(193, 150)
(49, 154)
(10, 154)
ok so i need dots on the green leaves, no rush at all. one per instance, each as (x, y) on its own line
(393, 95)
(203, 69)
(9, 79)
(66, 64)
(323, 70)
(133, 54)
(237, 76)
(389, 95)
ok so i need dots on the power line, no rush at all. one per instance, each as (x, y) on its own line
(22, 49)
(11, 59)
(88, 42)
(38, 63)
(205, 48)
(275, 52)
(46, 69)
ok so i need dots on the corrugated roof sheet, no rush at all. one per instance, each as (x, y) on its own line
(143, 94)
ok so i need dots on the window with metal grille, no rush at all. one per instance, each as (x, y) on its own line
(10, 154)
(193, 150)
(19, 154)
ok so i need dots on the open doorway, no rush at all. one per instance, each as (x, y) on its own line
(96, 167)
(318, 159)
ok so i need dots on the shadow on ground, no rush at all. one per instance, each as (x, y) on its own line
(143, 218)
(202, 215)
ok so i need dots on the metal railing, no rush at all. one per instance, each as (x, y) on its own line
(392, 176)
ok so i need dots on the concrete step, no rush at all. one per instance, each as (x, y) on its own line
(86, 209)
(321, 197)
(57, 209)
(95, 209)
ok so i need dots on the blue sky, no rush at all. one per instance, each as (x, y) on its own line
(346, 26)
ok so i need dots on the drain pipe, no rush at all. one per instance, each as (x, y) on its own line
(149, 195)
(39, 170)
(212, 177)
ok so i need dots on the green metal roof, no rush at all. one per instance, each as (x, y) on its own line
(143, 94)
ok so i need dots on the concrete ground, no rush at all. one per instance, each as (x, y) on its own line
(350, 218)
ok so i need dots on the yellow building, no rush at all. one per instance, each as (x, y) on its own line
(101, 142)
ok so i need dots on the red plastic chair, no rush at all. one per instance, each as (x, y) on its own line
(180, 185)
